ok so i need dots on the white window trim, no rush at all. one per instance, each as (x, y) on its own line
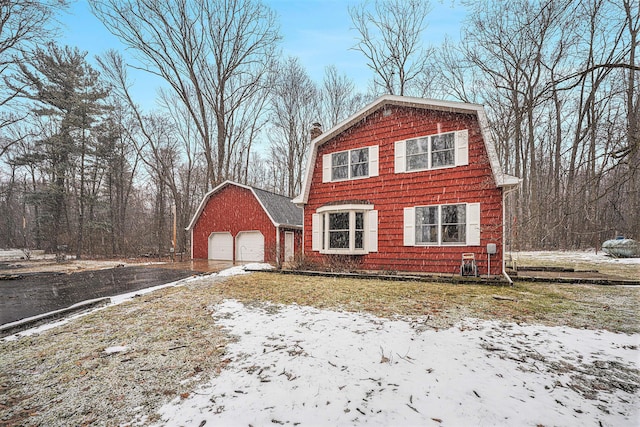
(320, 222)
(472, 231)
(373, 164)
(460, 149)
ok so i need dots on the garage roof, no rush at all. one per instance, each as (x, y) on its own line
(279, 208)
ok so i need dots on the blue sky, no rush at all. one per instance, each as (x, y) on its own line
(316, 31)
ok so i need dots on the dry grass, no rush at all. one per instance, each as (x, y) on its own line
(581, 306)
(64, 377)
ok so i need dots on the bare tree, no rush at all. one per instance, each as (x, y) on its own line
(24, 24)
(390, 37)
(338, 97)
(632, 91)
(122, 162)
(167, 146)
(213, 54)
(456, 77)
(294, 107)
(188, 181)
(560, 80)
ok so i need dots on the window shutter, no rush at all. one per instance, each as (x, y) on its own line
(315, 232)
(373, 160)
(473, 224)
(326, 168)
(409, 226)
(372, 231)
(400, 157)
(462, 147)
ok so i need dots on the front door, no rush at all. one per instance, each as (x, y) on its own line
(288, 246)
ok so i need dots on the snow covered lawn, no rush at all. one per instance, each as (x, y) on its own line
(296, 365)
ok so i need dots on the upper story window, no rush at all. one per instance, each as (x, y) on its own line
(352, 164)
(443, 150)
(359, 162)
(432, 152)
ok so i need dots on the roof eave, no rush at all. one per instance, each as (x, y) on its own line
(202, 204)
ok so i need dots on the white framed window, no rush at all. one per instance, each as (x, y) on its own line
(443, 152)
(427, 229)
(441, 225)
(432, 152)
(359, 162)
(345, 229)
(453, 224)
(352, 164)
(340, 166)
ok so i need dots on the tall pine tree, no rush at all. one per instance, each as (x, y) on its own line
(67, 95)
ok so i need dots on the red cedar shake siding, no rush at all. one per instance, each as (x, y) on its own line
(391, 192)
(234, 208)
(231, 209)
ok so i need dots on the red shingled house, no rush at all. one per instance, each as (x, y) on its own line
(406, 184)
(240, 223)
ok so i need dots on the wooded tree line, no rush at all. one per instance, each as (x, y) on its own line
(84, 166)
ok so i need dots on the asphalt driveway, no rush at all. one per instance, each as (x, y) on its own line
(31, 294)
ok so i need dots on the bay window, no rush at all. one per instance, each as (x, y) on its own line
(345, 229)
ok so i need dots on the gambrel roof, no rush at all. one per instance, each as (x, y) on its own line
(280, 209)
(501, 179)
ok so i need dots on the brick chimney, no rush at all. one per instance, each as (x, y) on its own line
(316, 130)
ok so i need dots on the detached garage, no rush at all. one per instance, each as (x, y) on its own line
(240, 223)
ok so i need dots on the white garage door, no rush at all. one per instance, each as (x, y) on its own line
(250, 246)
(221, 246)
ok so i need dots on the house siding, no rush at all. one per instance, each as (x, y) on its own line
(234, 209)
(391, 192)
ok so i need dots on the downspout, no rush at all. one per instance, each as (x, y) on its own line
(504, 218)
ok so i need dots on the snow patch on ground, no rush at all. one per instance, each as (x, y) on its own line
(294, 364)
(115, 349)
(588, 256)
(245, 269)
